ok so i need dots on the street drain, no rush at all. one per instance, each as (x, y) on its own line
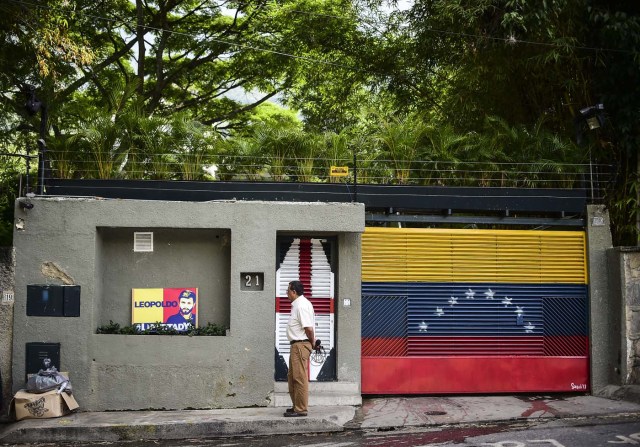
(435, 413)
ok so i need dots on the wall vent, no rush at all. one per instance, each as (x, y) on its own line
(142, 241)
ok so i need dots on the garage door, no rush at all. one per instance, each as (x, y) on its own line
(473, 311)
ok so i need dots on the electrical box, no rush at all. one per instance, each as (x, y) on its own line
(36, 352)
(44, 300)
(71, 301)
(51, 300)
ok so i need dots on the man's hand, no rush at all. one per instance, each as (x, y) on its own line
(310, 335)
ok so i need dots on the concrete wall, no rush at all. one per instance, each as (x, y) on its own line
(625, 313)
(78, 241)
(181, 257)
(7, 264)
(603, 360)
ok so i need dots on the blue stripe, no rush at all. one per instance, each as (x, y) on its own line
(384, 316)
(565, 316)
(476, 309)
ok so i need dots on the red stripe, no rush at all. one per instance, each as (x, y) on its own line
(321, 306)
(440, 375)
(567, 345)
(304, 265)
(384, 347)
(548, 346)
(487, 346)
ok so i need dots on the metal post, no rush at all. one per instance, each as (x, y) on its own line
(591, 174)
(355, 176)
(42, 163)
(33, 106)
(27, 160)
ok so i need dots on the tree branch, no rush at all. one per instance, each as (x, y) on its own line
(237, 112)
(105, 63)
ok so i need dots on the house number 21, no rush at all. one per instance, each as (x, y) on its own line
(249, 278)
(252, 281)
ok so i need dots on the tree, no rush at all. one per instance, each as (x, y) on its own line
(526, 63)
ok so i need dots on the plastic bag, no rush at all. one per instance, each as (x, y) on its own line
(47, 380)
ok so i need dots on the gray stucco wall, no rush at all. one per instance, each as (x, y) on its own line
(615, 342)
(603, 360)
(348, 350)
(625, 313)
(117, 372)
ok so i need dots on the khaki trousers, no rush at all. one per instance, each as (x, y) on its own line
(298, 375)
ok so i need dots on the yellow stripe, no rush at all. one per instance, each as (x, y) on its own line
(447, 255)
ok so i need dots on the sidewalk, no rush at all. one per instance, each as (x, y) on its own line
(375, 413)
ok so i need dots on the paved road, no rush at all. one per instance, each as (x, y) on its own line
(577, 432)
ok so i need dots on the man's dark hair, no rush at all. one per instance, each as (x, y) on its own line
(187, 294)
(297, 287)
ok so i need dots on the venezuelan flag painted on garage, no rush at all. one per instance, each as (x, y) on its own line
(473, 311)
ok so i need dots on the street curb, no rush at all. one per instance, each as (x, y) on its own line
(84, 427)
(165, 431)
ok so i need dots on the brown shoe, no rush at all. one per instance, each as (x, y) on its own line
(294, 414)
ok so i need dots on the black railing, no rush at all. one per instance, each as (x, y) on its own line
(593, 179)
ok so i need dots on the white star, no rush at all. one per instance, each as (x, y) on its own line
(470, 294)
(529, 328)
(422, 327)
(453, 301)
(439, 311)
(519, 310)
(506, 301)
(489, 294)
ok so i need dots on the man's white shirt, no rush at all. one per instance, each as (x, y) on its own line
(302, 316)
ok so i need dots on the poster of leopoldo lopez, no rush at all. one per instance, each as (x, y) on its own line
(175, 307)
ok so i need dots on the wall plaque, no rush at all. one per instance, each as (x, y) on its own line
(252, 281)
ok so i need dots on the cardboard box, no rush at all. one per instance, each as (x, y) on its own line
(40, 406)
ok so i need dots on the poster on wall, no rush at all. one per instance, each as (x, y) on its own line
(172, 307)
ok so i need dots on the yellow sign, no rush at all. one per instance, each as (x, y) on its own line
(339, 171)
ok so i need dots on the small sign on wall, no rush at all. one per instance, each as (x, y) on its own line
(7, 296)
(339, 171)
(251, 281)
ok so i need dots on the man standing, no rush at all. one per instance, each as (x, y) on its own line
(300, 332)
(186, 315)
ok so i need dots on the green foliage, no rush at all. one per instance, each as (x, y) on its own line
(111, 328)
(420, 95)
(10, 168)
(531, 66)
(211, 329)
(399, 139)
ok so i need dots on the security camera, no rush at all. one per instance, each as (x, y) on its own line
(33, 104)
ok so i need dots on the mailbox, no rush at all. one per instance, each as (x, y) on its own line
(51, 300)
(36, 352)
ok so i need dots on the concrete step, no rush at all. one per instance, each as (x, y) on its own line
(320, 394)
(322, 387)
